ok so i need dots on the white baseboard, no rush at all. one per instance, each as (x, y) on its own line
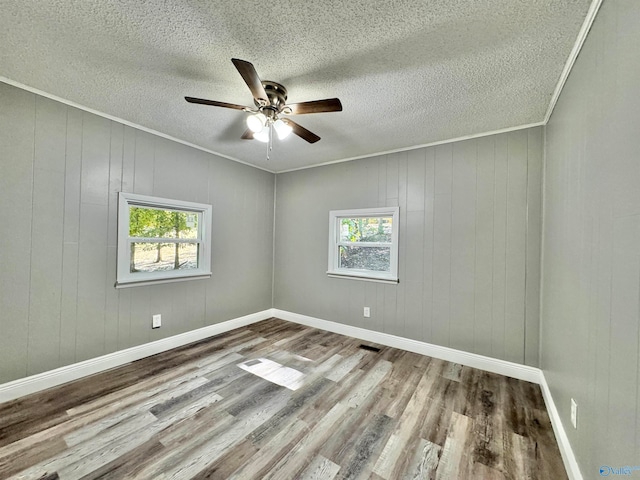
(53, 378)
(569, 459)
(502, 367)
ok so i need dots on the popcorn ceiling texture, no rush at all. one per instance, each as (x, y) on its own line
(407, 72)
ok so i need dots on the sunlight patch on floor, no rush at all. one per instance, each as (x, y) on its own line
(274, 372)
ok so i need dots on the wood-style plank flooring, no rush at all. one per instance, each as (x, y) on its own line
(277, 400)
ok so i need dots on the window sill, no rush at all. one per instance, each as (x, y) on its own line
(143, 283)
(365, 277)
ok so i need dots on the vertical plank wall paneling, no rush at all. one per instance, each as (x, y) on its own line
(46, 231)
(463, 242)
(71, 228)
(590, 331)
(516, 242)
(441, 255)
(60, 172)
(499, 260)
(17, 116)
(469, 244)
(483, 228)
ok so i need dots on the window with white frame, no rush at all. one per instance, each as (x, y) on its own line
(162, 240)
(363, 244)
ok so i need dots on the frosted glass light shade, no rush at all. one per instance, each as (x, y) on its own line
(282, 129)
(256, 122)
(262, 135)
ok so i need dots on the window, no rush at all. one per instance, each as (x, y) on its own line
(364, 244)
(161, 240)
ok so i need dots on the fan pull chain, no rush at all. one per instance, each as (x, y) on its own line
(270, 143)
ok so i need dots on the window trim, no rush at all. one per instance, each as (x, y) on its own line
(335, 271)
(124, 278)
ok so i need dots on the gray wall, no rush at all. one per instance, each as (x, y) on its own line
(60, 171)
(469, 244)
(591, 280)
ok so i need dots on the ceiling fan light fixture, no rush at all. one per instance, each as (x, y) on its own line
(256, 122)
(283, 129)
(262, 135)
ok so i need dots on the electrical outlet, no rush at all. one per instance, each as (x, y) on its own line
(574, 413)
(367, 312)
(157, 321)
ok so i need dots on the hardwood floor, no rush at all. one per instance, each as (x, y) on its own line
(277, 400)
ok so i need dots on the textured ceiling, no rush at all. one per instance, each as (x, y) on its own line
(408, 73)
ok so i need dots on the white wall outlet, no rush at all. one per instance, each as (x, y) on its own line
(574, 413)
(367, 312)
(157, 321)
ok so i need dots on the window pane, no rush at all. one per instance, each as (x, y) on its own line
(158, 223)
(153, 257)
(366, 229)
(377, 259)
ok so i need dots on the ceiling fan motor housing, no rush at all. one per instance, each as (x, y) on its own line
(277, 97)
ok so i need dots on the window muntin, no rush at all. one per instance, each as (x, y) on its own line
(162, 240)
(364, 243)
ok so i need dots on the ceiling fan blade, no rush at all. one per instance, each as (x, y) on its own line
(315, 106)
(302, 132)
(251, 78)
(247, 135)
(214, 103)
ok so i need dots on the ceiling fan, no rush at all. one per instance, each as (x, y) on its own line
(270, 101)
